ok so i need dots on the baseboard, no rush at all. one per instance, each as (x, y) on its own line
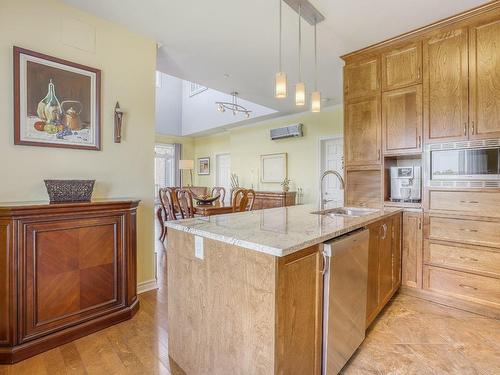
(146, 286)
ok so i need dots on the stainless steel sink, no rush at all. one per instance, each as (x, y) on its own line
(347, 211)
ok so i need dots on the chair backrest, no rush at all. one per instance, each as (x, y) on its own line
(243, 200)
(185, 200)
(219, 190)
(167, 202)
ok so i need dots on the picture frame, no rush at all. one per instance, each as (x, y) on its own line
(273, 167)
(57, 103)
(203, 166)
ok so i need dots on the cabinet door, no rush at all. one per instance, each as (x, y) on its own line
(446, 86)
(412, 250)
(363, 132)
(484, 98)
(402, 67)
(363, 188)
(361, 78)
(402, 120)
(373, 294)
(386, 261)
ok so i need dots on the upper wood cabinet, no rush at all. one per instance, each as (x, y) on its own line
(484, 84)
(402, 67)
(364, 188)
(362, 78)
(402, 120)
(446, 86)
(363, 131)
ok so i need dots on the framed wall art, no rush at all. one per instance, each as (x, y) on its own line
(273, 167)
(56, 102)
(204, 166)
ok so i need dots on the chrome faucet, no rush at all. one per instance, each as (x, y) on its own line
(326, 173)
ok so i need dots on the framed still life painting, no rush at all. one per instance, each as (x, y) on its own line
(56, 102)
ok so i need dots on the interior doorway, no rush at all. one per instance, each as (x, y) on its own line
(223, 173)
(332, 158)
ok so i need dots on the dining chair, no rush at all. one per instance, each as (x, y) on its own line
(219, 190)
(243, 200)
(185, 201)
(167, 202)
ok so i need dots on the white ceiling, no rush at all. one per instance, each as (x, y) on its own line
(204, 40)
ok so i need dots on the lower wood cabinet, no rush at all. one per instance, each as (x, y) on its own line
(384, 264)
(271, 199)
(412, 249)
(66, 270)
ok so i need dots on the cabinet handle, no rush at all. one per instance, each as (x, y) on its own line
(418, 73)
(323, 271)
(468, 258)
(419, 141)
(471, 202)
(469, 230)
(384, 227)
(467, 286)
(473, 128)
(419, 224)
(378, 154)
(465, 128)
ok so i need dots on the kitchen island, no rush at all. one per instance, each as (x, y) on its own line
(245, 290)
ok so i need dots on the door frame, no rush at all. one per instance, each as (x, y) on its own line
(216, 164)
(322, 139)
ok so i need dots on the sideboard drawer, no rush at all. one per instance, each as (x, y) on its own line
(475, 232)
(464, 258)
(474, 203)
(463, 285)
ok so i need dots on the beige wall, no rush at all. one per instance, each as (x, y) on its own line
(127, 62)
(248, 143)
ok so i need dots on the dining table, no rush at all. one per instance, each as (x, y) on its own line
(212, 209)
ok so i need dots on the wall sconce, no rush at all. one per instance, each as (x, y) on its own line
(118, 123)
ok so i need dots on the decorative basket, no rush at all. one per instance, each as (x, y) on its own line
(69, 190)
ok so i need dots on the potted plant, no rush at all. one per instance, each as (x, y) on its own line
(286, 184)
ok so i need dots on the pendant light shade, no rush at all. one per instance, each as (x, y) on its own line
(315, 101)
(300, 94)
(280, 84)
(315, 95)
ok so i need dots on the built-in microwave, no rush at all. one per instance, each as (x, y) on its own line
(461, 162)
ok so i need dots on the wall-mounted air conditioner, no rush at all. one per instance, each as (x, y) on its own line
(287, 132)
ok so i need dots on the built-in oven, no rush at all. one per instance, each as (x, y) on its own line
(472, 161)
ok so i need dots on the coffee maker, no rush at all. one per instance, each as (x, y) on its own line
(406, 184)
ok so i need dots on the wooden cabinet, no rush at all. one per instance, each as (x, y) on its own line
(471, 202)
(484, 84)
(364, 188)
(71, 270)
(412, 249)
(402, 67)
(271, 199)
(402, 120)
(384, 264)
(363, 132)
(362, 78)
(446, 86)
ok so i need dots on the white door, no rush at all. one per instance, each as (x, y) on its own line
(223, 173)
(332, 158)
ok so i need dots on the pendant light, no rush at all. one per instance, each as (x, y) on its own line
(300, 87)
(280, 85)
(315, 95)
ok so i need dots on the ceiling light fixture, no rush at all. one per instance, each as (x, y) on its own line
(280, 84)
(315, 95)
(233, 106)
(300, 87)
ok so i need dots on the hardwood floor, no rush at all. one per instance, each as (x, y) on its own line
(411, 336)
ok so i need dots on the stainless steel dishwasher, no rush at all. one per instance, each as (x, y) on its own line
(344, 302)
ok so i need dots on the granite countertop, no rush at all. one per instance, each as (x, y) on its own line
(276, 231)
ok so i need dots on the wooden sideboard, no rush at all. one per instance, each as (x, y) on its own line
(66, 270)
(271, 199)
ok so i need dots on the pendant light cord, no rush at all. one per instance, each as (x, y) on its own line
(315, 60)
(300, 43)
(280, 46)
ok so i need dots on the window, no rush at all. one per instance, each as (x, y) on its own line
(164, 166)
(195, 88)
